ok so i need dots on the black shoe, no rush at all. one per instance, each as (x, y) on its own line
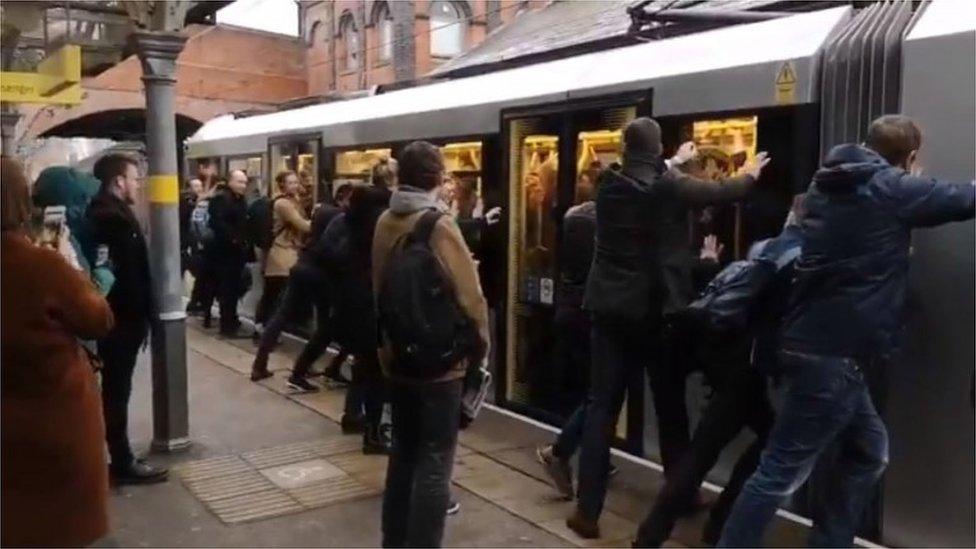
(612, 471)
(138, 472)
(207, 321)
(453, 508)
(334, 375)
(301, 385)
(558, 470)
(353, 425)
(234, 334)
(583, 527)
(258, 375)
(376, 441)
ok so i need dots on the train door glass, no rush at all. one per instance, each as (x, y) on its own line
(252, 166)
(547, 369)
(301, 157)
(533, 172)
(724, 146)
(462, 191)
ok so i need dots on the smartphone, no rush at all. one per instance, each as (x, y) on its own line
(53, 227)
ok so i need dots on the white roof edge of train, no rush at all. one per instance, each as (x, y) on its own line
(944, 17)
(795, 38)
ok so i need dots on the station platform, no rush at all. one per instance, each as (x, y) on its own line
(268, 468)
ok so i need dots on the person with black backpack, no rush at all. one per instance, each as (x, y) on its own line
(735, 323)
(278, 227)
(433, 322)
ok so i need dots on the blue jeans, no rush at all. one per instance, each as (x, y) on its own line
(827, 400)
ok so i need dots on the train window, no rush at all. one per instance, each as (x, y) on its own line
(462, 191)
(724, 145)
(357, 165)
(301, 157)
(252, 166)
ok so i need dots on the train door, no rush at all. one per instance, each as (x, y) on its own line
(551, 157)
(299, 154)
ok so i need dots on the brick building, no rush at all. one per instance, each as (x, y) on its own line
(357, 44)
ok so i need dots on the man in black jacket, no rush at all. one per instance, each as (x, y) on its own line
(230, 249)
(844, 319)
(114, 225)
(641, 268)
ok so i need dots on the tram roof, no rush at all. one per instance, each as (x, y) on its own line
(724, 69)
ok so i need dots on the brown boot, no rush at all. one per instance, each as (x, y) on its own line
(584, 528)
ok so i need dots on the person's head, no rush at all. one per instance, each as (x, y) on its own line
(384, 173)
(287, 183)
(206, 170)
(421, 166)
(237, 182)
(342, 194)
(119, 176)
(466, 194)
(896, 138)
(643, 137)
(196, 186)
(586, 185)
(15, 203)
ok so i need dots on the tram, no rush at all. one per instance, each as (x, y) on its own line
(794, 86)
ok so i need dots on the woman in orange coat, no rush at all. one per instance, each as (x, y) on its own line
(53, 476)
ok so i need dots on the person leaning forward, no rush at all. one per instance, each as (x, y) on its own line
(641, 269)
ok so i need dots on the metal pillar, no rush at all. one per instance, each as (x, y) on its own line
(8, 130)
(158, 52)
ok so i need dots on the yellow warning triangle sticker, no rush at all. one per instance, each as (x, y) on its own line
(786, 74)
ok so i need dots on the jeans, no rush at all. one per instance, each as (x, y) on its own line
(118, 352)
(827, 400)
(620, 348)
(426, 417)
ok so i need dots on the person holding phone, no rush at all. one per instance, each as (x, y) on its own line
(54, 483)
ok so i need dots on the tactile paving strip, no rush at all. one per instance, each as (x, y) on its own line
(237, 488)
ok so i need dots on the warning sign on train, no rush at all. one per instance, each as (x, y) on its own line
(786, 84)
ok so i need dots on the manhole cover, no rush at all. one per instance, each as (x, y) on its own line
(305, 473)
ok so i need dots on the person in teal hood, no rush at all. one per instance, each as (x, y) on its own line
(74, 189)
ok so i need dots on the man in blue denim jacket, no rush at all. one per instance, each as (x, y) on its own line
(844, 314)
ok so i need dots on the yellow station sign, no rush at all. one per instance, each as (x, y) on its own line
(56, 82)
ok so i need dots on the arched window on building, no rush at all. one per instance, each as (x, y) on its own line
(314, 34)
(383, 21)
(448, 28)
(349, 44)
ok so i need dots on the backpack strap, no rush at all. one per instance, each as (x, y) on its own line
(425, 226)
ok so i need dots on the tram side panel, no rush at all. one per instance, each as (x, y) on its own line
(929, 488)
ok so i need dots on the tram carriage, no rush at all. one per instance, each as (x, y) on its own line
(792, 86)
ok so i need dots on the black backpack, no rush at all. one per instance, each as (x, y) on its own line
(733, 298)
(419, 315)
(260, 222)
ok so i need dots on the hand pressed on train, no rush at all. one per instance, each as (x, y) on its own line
(687, 151)
(711, 248)
(494, 215)
(755, 166)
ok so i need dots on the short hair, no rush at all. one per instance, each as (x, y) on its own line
(15, 202)
(111, 166)
(384, 172)
(894, 137)
(421, 165)
(282, 176)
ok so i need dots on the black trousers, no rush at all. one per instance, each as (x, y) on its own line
(228, 269)
(274, 288)
(204, 284)
(369, 384)
(118, 352)
(426, 417)
(297, 293)
(740, 401)
(619, 348)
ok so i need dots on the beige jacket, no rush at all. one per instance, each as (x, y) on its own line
(289, 228)
(449, 247)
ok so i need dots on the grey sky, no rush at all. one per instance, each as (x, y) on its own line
(279, 16)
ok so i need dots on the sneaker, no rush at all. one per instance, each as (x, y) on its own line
(376, 441)
(612, 471)
(138, 472)
(207, 321)
(301, 385)
(453, 508)
(558, 470)
(583, 527)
